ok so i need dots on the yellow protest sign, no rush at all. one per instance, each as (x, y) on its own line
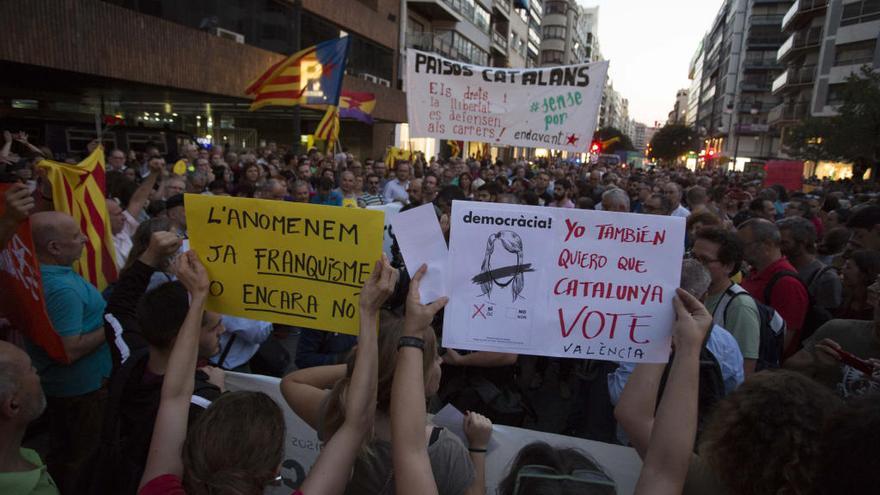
(292, 263)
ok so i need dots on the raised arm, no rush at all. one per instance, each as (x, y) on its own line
(304, 389)
(412, 467)
(17, 205)
(142, 193)
(169, 431)
(675, 426)
(329, 474)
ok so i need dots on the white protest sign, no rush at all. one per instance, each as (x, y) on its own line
(390, 211)
(301, 447)
(550, 107)
(562, 282)
(421, 242)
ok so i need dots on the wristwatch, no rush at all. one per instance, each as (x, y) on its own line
(407, 341)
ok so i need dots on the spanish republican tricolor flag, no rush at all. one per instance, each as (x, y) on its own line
(312, 76)
(78, 190)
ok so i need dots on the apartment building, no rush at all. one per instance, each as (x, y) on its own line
(678, 115)
(736, 67)
(827, 40)
(569, 33)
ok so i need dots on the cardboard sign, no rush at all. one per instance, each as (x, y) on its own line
(301, 447)
(788, 174)
(550, 107)
(292, 263)
(21, 290)
(562, 282)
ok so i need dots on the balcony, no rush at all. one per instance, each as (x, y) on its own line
(755, 42)
(438, 10)
(766, 20)
(499, 42)
(805, 39)
(788, 112)
(795, 77)
(761, 64)
(502, 7)
(801, 12)
(755, 84)
(431, 42)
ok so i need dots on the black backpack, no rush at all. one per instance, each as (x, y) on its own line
(816, 315)
(771, 338)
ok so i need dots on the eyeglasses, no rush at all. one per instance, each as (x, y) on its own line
(586, 476)
(702, 259)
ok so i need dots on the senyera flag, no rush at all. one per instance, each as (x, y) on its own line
(328, 127)
(21, 290)
(312, 76)
(78, 190)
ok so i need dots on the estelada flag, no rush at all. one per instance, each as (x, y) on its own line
(312, 76)
(394, 155)
(78, 190)
(328, 128)
(21, 290)
(358, 106)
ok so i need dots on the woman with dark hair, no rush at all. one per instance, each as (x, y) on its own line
(464, 182)
(859, 271)
(316, 395)
(250, 180)
(540, 469)
(237, 445)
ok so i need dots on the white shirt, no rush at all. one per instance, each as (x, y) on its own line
(122, 240)
(396, 191)
(681, 211)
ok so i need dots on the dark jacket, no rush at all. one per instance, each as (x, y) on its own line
(318, 348)
(122, 306)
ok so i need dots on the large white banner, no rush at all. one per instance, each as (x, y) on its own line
(551, 107)
(562, 282)
(301, 447)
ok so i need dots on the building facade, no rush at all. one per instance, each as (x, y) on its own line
(827, 40)
(736, 66)
(569, 33)
(678, 115)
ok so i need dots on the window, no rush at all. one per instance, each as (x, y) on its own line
(554, 32)
(835, 94)
(552, 56)
(859, 12)
(481, 18)
(555, 7)
(855, 53)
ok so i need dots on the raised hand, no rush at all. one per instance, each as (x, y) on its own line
(692, 321)
(379, 286)
(192, 274)
(19, 203)
(477, 429)
(418, 315)
(163, 245)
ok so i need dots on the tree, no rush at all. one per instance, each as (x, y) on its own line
(672, 141)
(853, 135)
(615, 139)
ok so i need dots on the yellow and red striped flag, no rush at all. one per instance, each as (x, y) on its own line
(78, 190)
(328, 127)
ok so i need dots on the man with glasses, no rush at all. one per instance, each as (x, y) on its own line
(116, 161)
(720, 252)
(372, 196)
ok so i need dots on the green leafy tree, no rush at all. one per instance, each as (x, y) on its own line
(616, 140)
(853, 135)
(672, 141)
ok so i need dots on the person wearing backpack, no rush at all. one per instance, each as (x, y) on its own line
(720, 251)
(773, 281)
(799, 246)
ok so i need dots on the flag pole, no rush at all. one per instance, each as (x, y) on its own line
(297, 46)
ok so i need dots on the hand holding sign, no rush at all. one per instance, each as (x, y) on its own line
(418, 315)
(692, 321)
(379, 287)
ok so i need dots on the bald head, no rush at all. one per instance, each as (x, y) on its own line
(21, 396)
(57, 238)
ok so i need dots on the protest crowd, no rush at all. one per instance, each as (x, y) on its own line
(771, 387)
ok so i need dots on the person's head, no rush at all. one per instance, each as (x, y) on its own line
(390, 331)
(203, 165)
(865, 225)
(21, 395)
(696, 197)
(658, 204)
(57, 238)
(301, 192)
(160, 313)
(235, 447)
(488, 192)
(304, 172)
(761, 242)
(615, 200)
(541, 469)
(541, 180)
(116, 160)
(273, 189)
(762, 208)
(764, 436)
(695, 278)
(415, 191)
(402, 171)
(837, 218)
(672, 192)
(701, 219)
(797, 207)
(430, 185)
(797, 237)
(644, 192)
(346, 182)
(561, 189)
(176, 211)
(860, 270)
(115, 212)
(251, 173)
(380, 169)
(198, 182)
(834, 241)
(719, 250)
(849, 448)
(372, 183)
(325, 185)
(172, 186)
(190, 151)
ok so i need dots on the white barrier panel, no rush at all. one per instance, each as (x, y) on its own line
(302, 445)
